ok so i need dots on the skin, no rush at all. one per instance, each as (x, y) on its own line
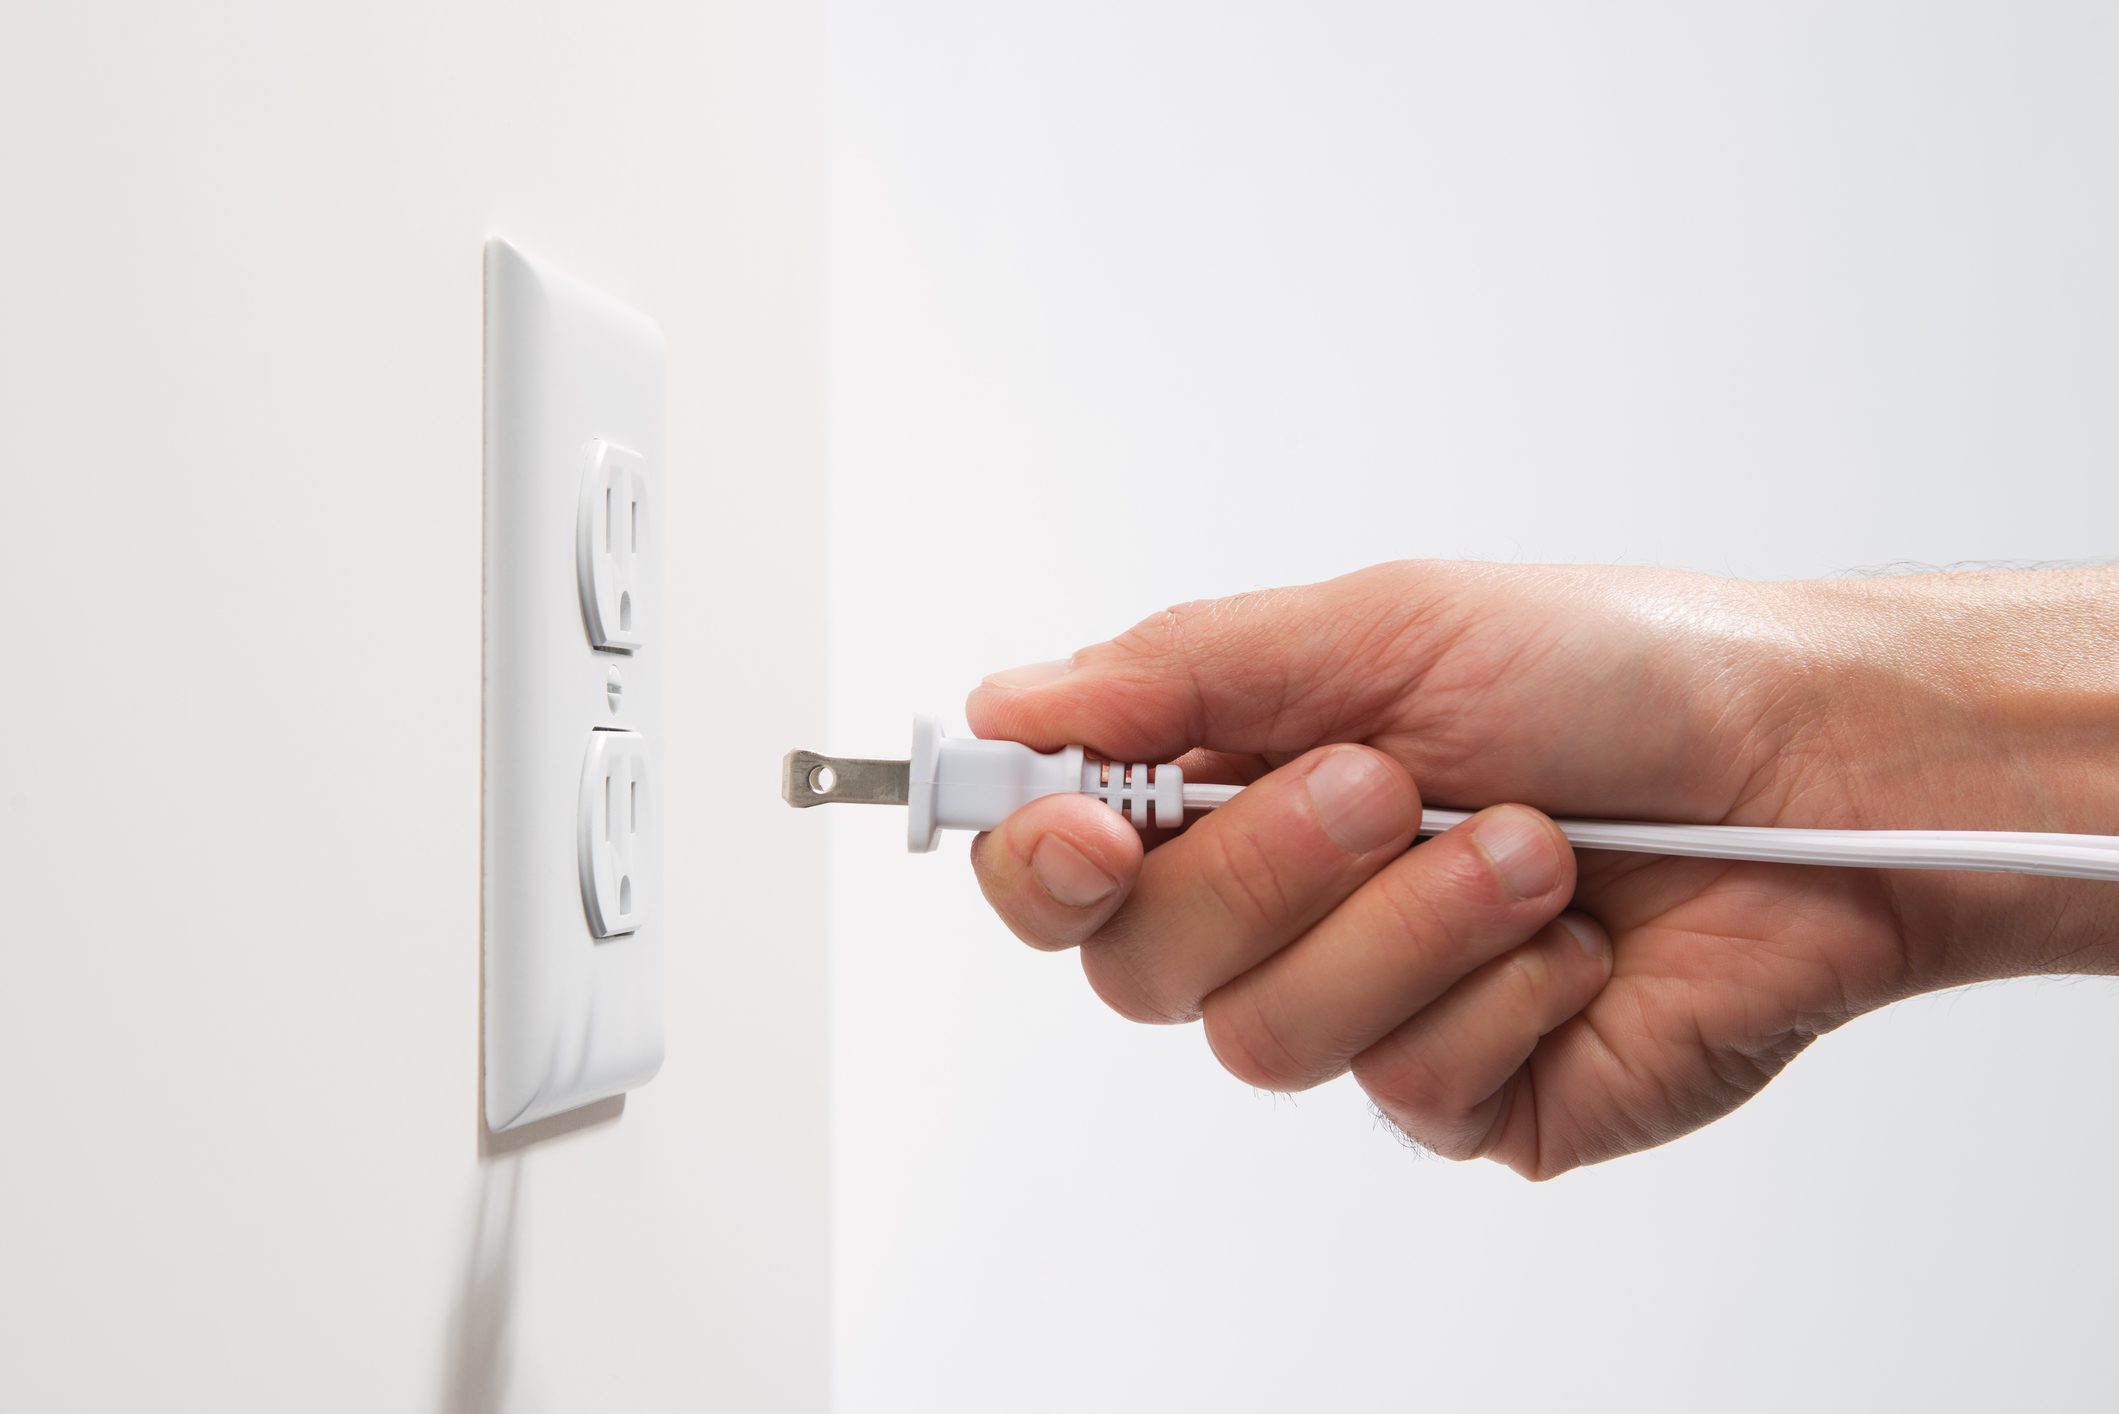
(1496, 994)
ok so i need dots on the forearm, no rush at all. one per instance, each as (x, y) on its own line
(1976, 701)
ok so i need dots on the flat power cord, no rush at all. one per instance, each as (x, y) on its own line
(968, 783)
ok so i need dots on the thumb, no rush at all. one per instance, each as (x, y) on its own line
(1277, 671)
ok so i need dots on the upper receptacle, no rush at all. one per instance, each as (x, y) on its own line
(609, 544)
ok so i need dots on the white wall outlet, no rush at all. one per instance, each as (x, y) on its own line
(573, 693)
(608, 550)
(617, 832)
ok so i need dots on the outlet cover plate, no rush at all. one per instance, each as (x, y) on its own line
(570, 373)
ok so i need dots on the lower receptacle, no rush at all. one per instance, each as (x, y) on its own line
(618, 835)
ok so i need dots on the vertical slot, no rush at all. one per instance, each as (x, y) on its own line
(635, 546)
(606, 520)
(632, 808)
(606, 807)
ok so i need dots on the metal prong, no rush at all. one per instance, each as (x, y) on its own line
(809, 779)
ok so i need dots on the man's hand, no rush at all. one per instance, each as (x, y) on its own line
(1494, 995)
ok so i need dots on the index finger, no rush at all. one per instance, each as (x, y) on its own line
(1273, 672)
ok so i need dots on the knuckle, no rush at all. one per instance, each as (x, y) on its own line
(1412, 913)
(1250, 886)
(1157, 638)
(1120, 983)
(1444, 904)
(1404, 1082)
(1197, 632)
(1414, 1089)
(1539, 1169)
(1526, 976)
(1249, 1046)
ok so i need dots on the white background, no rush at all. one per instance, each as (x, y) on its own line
(1139, 302)
(240, 288)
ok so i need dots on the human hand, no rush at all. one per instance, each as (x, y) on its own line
(1494, 995)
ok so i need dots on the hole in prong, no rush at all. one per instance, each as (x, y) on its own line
(822, 779)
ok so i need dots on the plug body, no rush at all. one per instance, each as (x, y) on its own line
(968, 783)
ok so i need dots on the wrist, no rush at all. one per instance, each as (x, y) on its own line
(1973, 701)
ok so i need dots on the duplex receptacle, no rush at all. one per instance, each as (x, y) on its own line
(574, 637)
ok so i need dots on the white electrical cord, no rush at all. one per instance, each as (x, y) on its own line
(1995, 851)
(966, 783)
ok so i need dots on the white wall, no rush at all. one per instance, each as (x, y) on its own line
(1136, 302)
(239, 821)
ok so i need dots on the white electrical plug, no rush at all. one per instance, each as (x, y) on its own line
(968, 783)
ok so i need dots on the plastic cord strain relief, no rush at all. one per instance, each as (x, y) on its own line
(1145, 794)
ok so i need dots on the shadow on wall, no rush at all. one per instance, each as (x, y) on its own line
(479, 1328)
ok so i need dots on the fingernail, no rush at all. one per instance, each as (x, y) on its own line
(1356, 800)
(1588, 936)
(1520, 847)
(1067, 874)
(1035, 675)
